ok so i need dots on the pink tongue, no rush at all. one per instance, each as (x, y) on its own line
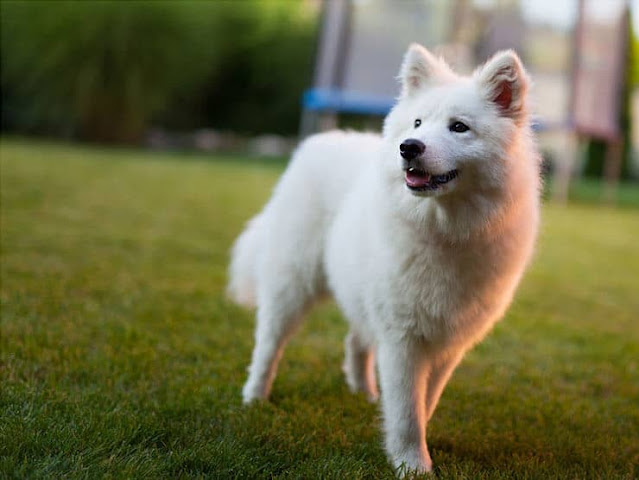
(416, 180)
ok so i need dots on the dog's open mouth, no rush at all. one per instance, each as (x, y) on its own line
(420, 180)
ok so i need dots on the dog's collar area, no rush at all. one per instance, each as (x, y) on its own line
(421, 180)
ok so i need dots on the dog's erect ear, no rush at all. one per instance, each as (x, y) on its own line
(419, 68)
(505, 83)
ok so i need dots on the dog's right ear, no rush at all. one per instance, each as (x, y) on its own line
(504, 82)
(420, 68)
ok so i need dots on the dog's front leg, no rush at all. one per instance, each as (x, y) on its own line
(402, 369)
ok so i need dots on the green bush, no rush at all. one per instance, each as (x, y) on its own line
(102, 71)
(266, 81)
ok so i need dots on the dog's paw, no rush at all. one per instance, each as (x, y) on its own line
(372, 397)
(359, 384)
(412, 465)
(405, 472)
(253, 393)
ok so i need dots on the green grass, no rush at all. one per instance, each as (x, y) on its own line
(591, 191)
(121, 357)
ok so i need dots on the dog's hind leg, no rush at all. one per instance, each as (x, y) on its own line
(280, 311)
(359, 365)
(441, 370)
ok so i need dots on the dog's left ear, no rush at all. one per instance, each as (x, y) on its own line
(504, 82)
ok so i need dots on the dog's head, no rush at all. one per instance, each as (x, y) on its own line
(450, 133)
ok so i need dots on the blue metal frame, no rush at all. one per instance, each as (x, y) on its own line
(331, 99)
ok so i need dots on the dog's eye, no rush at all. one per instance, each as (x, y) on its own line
(418, 122)
(458, 127)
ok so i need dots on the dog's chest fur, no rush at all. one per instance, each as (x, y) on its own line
(444, 291)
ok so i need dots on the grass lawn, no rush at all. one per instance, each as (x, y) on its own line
(121, 357)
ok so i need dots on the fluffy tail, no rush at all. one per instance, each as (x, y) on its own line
(243, 268)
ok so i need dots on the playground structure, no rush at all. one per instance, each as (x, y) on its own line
(577, 63)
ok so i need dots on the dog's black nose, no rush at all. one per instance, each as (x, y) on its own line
(411, 148)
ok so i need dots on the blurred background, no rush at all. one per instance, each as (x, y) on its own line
(255, 76)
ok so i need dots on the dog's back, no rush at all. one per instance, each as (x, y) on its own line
(290, 233)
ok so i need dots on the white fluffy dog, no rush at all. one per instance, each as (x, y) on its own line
(421, 235)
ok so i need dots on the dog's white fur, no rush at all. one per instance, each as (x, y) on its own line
(421, 276)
